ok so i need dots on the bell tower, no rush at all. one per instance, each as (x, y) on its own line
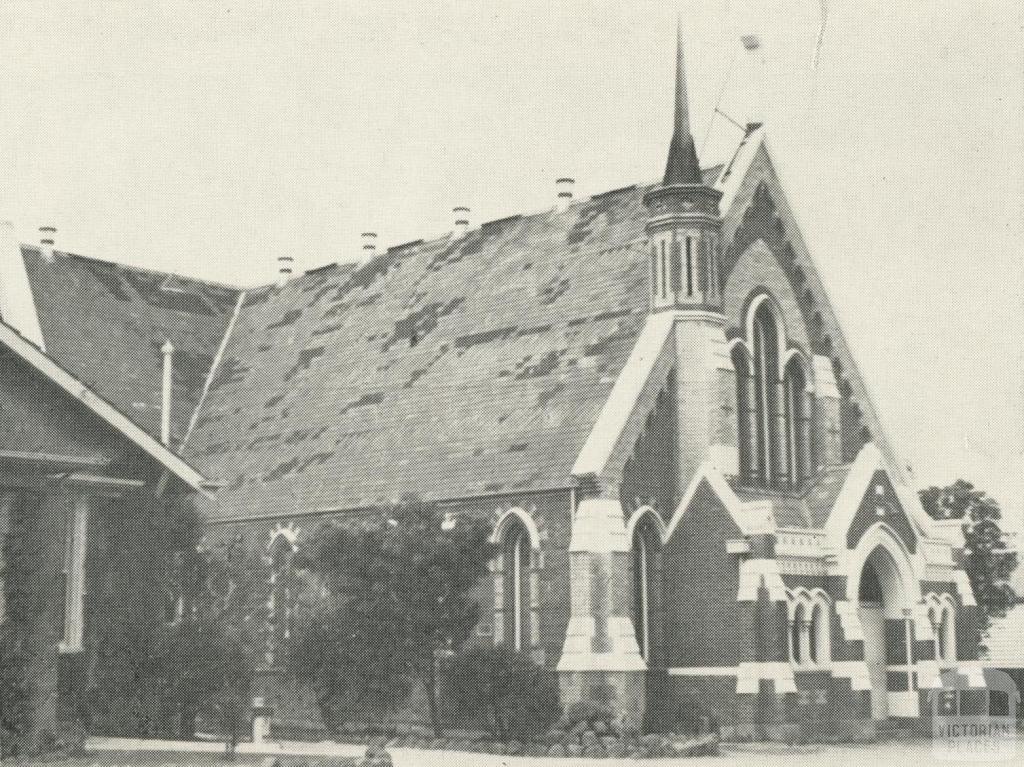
(684, 231)
(684, 226)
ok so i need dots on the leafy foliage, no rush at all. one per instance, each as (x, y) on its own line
(164, 652)
(404, 575)
(18, 552)
(517, 697)
(988, 562)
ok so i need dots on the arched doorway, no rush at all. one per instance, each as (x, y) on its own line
(884, 611)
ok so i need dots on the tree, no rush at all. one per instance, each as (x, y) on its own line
(19, 548)
(166, 647)
(988, 562)
(399, 600)
(517, 697)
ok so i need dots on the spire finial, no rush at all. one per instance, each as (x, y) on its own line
(682, 125)
(682, 167)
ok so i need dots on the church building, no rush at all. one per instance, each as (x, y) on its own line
(646, 392)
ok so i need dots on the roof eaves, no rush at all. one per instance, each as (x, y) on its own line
(45, 364)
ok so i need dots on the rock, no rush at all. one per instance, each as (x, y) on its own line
(595, 752)
(514, 747)
(574, 749)
(706, 746)
(651, 740)
(579, 728)
(616, 749)
(535, 749)
(551, 737)
(557, 750)
(437, 743)
(588, 738)
(599, 727)
(607, 740)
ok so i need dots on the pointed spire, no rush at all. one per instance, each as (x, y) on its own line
(682, 166)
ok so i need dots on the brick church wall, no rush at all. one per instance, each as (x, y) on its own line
(294, 705)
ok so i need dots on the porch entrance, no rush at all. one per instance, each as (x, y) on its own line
(885, 618)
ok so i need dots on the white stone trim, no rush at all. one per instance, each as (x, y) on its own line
(625, 393)
(737, 546)
(881, 535)
(752, 673)
(854, 670)
(704, 671)
(103, 409)
(964, 588)
(638, 515)
(849, 620)
(528, 522)
(598, 527)
(753, 518)
(754, 572)
(289, 532)
(824, 377)
(796, 354)
(577, 655)
(777, 316)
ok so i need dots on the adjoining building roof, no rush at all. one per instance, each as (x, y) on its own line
(1005, 640)
(105, 324)
(45, 365)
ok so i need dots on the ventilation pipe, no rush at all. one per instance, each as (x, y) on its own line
(563, 190)
(285, 265)
(165, 402)
(47, 236)
(461, 215)
(369, 240)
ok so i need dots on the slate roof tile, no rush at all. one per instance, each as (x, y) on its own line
(106, 323)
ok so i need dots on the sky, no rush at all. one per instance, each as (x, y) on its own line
(206, 138)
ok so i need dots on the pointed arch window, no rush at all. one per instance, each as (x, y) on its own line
(745, 414)
(515, 585)
(809, 629)
(942, 616)
(646, 546)
(767, 381)
(798, 422)
(774, 404)
(283, 593)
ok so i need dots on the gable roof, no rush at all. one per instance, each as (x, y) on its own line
(444, 368)
(35, 357)
(459, 366)
(105, 324)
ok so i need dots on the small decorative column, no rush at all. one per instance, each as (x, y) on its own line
(601, 661)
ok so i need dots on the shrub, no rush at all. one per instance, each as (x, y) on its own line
(587, 712)
(517, 697)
